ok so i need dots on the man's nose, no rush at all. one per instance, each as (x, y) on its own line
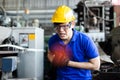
(61, 28)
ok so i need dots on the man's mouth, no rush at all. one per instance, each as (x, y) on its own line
(62, 34)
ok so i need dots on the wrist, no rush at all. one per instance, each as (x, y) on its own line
(69, 62)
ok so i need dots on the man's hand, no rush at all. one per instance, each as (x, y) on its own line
(58, 59)
(50, 56)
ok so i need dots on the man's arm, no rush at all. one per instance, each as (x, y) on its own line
(50, 56)
(93, 64)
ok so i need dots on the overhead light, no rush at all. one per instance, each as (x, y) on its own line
(26, 11)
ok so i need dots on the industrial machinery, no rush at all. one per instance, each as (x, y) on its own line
(9, 64)
(97, 20)
(27, 43)
(4, 19)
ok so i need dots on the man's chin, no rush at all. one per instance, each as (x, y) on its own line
(63, 38)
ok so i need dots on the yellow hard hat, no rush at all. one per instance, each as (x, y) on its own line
(63, 14)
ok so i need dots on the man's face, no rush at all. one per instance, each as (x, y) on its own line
(64, 30)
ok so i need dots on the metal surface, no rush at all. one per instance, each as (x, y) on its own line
(29, 49)
(31, 63)
(8, 52)
(3, 34)
(115, 36)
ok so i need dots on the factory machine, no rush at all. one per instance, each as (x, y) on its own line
(21, 50)
(96, 19)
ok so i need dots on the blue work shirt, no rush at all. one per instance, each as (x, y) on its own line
(81, 49)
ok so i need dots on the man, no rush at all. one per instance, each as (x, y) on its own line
(80, 53)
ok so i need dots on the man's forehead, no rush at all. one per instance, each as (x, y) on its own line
(63, 23)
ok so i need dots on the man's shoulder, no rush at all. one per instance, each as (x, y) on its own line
(53, 37)
(81, 34)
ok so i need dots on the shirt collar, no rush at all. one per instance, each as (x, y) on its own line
(74, 37)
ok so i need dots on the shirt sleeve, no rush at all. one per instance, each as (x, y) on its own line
(90, 49)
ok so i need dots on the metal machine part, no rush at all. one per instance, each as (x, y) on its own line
(108, 70)
(29, 50)
(4, 33)
(4, 19)
(95, 18)
(98, 22)
(30, 38)
(9, 64)
(115, 36)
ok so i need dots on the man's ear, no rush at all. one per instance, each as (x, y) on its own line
(72, 24)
